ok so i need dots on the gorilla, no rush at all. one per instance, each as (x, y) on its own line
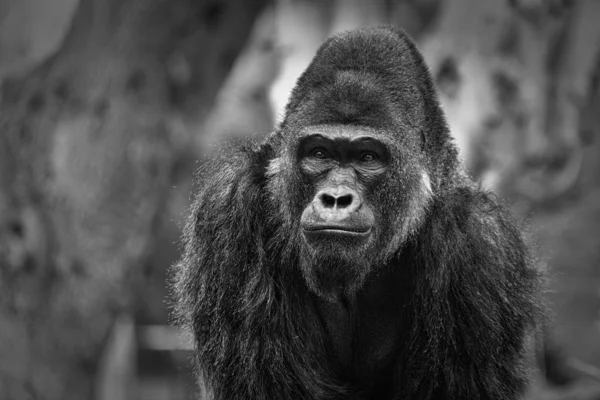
(348, 255)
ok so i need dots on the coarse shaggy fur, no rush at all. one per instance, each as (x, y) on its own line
(464, 292)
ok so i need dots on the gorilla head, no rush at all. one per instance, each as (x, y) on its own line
(361, 141)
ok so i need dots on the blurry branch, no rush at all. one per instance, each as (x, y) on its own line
(117, 370)
(560, 369)
(585, 390)
(163, 337)
(586, 369)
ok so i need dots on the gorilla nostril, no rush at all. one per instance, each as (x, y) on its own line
(344, 201)
(332, 201)
(327, 200)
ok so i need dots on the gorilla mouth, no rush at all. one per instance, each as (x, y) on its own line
(337, 230)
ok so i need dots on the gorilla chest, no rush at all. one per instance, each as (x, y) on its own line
(363, 338)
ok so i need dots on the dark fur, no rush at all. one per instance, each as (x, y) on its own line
(457, 289)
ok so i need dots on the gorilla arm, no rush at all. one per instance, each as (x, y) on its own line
(222, 243)
(254, 336)
(476, 299)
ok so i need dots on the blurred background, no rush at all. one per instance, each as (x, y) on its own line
(106, 105)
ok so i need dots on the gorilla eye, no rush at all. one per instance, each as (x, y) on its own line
(319, 153)
(368, 157)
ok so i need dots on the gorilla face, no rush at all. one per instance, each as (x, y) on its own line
(342, 166)
(354, 193)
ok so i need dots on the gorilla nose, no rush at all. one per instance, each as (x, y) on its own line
(345, 199)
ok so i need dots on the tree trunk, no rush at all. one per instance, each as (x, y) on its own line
(88, 152)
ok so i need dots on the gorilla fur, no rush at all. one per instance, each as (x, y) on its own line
(442, 300)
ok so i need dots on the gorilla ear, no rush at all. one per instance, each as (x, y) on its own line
(259, 158)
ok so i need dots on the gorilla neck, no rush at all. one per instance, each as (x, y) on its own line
(339, 318)
(364, 329)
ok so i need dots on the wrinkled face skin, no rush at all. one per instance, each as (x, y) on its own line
(338, 225)
(354, 195)
(348, 221)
